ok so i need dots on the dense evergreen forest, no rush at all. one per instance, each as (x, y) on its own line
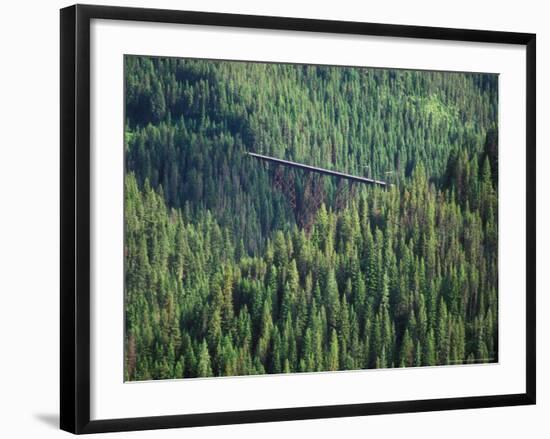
(236, 267)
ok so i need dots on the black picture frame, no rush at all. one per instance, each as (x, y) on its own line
(75, 217)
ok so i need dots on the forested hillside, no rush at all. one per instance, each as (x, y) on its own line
(225, 275)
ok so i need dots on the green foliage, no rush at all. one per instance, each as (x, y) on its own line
(221, 276)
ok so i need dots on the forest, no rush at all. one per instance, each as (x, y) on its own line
(234, 266)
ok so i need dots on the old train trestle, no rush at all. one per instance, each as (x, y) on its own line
(313, 191)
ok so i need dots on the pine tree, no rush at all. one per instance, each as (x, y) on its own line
(204, 368)
(333, 358)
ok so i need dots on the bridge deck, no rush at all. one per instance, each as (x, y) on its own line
(319, 170)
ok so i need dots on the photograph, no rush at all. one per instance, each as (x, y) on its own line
(270, 220)
(286, 218)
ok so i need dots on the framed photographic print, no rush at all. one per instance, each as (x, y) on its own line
(267, 218)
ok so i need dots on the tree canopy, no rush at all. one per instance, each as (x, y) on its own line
(226, 275)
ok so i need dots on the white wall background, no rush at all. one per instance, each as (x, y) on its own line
(29, 206)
